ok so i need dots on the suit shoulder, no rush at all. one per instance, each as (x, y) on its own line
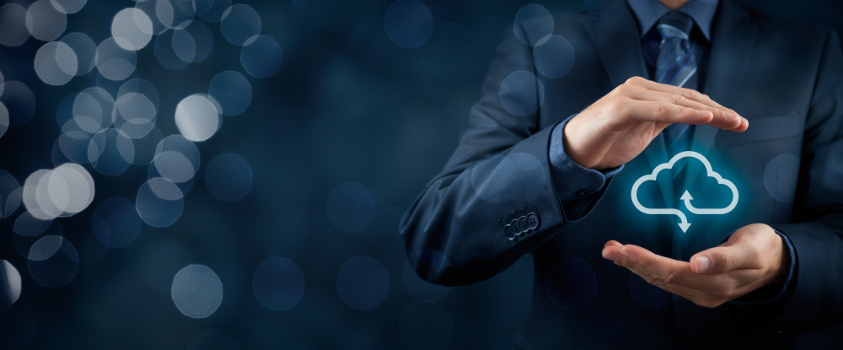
(774, 24)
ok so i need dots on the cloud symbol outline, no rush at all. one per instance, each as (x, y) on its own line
(686, 197)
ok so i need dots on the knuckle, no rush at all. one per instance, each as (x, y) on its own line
(634, 80)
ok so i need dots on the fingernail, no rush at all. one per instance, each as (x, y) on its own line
(702, 264)
(731, 116)
(608, 256)
(703, 113)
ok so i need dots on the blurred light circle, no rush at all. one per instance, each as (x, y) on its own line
(165, 12)
(362, 283)
(197, 117)
(153, 209)
(351, 207)
(240, 23)
(521, 93)
(160, 260)
(212, 340)
(211, 10)
(10, 285)
(131, 29)
(779, 174)
(183, 45)
(135, 115)
(92, 110)
(420, 289)
(197, 291)
(143, 87)
(85, 49)
(179, 144)
(28, 225)
(174, 166)
(116, 222)
(19, 101)
(554, 56)
(228, 177)
(165, 52)
(29, 229)
(45, 248)
(150, 7)
(114, 62)
(71, 188)
(262, 57)
(73, 142)
(4, 119)
(110, 152)
(44, 22)
(185, 8)
(53, 261)
(408, 23)
(10, 194)
(55, 63)
(62, 192)
(426, 325)
(533, 23)
(13, 31)
(203, 41)
(2, 83)
(278, 284)
(68, 6)
(232, 91)
(36, 196)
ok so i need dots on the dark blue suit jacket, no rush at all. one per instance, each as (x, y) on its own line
(783, 76)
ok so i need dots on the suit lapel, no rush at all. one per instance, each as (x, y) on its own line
(614, 34)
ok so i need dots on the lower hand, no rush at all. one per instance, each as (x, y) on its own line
(752, 257)
(620, 125)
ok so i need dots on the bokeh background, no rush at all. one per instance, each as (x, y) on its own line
(218, 174)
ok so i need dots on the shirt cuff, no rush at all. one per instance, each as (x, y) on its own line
(576, 186)
(777, 293)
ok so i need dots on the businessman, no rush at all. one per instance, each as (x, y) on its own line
(556, 143)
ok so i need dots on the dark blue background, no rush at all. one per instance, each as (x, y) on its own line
(348, 111)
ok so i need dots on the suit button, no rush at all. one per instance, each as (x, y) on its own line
(582, 192)
(507, 230)
(523, 224)
(516, 227)
(533, 221)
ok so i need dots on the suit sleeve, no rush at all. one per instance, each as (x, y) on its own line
(499, 196)
(815, 295)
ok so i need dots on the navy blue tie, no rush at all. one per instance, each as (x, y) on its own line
(676, 65)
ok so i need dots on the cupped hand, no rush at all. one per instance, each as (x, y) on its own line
(753, 257)
(620, 125)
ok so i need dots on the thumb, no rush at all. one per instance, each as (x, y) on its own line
(721, 259)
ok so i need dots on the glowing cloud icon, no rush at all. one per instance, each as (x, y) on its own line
(686, 196)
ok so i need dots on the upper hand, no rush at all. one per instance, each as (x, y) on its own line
(752, 257)
(618, 127)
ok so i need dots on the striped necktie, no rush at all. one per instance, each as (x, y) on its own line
(676, 65)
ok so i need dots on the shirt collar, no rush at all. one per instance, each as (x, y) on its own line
(648, 12)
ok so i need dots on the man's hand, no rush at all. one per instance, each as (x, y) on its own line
(620, 125)
(752, 258)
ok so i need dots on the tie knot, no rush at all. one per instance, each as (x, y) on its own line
(675, 24)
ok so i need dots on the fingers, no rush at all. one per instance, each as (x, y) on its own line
(665, 101)
(724, 259)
